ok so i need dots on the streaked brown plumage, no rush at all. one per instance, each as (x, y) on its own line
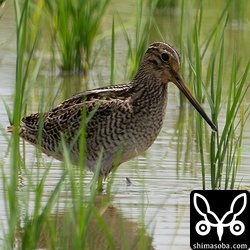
(123, 118)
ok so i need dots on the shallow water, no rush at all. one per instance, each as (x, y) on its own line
(163, 177)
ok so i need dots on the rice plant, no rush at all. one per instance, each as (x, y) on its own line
(224, 146)
(112, 53)
(26, 230)
(75, 25)
(139, 43)
(20, 98)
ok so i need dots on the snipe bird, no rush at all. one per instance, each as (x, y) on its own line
(123, 120)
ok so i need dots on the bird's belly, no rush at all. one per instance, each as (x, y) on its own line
(115, 154)
(120, 143)
(137, 145)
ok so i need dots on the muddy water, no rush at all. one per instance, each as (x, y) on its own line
(162, 177)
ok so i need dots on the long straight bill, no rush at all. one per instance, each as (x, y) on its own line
(177, 80)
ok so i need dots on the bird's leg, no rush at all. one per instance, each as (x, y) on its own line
(96, 183)
(99, 184)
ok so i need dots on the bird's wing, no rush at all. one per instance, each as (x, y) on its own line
(68, 115)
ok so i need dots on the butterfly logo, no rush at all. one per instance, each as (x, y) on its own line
(203, 227)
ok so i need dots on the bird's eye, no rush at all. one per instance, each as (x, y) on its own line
(165, 57)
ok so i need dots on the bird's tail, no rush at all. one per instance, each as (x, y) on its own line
(10, 129)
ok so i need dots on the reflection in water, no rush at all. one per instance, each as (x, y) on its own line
(48, 92)
(71, 229)
(183, 135)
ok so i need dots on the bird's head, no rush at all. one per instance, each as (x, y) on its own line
(164, 61)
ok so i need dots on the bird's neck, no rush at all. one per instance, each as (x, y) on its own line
(149, 104)
(150, 92)
(149, 86)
